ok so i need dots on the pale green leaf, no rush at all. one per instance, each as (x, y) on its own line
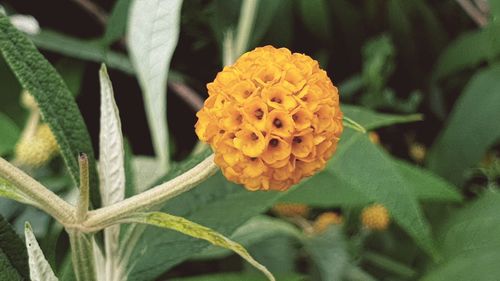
(117, 22)
(56, 103)
(471, 128)
(253, 231)
(10, 133)
(195, 230)
(111, 166)
(152, 35)
(39, 266)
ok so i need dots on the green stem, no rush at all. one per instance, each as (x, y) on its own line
(107, 216)
(83, 200)
(348, 122)
(82, 255)
(388, 264)
(42, 196)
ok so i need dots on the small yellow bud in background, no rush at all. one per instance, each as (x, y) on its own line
(417, 152)
(375, 217)
(374, 137)
(272, 119)
(325, 220)
(36, 150)
(291, 210)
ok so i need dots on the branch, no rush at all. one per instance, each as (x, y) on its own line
(474, 13)
(187, 94)
(96, 11)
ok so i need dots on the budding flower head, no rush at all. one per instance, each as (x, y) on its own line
(375, 217)
(38, 149)
(272, 119)
(291, 210)
(325, 220)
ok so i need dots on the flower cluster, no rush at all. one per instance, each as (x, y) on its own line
(272, 119)
(375, 217)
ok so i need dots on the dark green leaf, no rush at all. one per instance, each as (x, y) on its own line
(468, 51)
(470, 243)
(10, 133)
(56, 103)
(316, 19)
(13, 255)
(81, 49)
(471, 128)
(72, 74)
(237, 277)
(117, 22)
(372, 120)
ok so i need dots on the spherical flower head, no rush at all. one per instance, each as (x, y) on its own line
(272, 119)
(375, 217)
(291, 210)
(325, 220)
(38, 149)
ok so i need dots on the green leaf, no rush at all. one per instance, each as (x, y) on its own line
(212, 200)
(117, 22)
(253, 231)
(8, 190)
(153, 31)
(471, 128)
(371, 120)
(195, 230)
(81, 49)
(372, 173)
(39, 266)
(72, 72)
(56, 103)
(266, 12)
(470, 242)
(427, 186)
(13, 256)
(236, 277)
(329, 253)
(316, 18)
(468, 51)
(10, 133)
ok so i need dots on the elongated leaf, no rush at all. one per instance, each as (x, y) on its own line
(470, 242)
(329, 253)
(427, 186)
(10, 133)
(315, 15)
(111, 165)
(255, 230)
(471, 128)
(195, 230)
(81, 49)
(238, 277)
(152, 35)
(39, 266)
(212, 200)
(56, 103)
(371, 120)
(13, 257)
(117, 22)
(468, 51)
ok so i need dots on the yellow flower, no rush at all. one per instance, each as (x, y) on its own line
(291, 210)
(35, 151)
(375, 217)
(325, 220)
(272, 119)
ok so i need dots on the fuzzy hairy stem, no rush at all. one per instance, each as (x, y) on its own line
(82, 255)
(82, 206)
(43, 197)
(107, 216)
